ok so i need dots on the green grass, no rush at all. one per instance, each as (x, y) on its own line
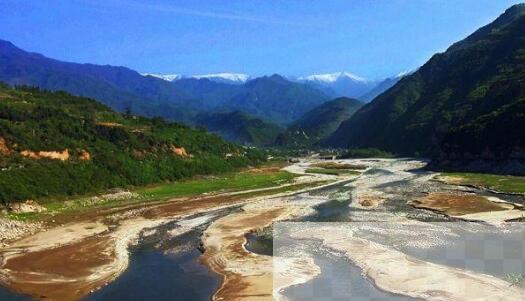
(334, 172)
(229, 182)
(511, 184)
(221, 183)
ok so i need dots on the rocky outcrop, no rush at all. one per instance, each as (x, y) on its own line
(179, 151)
(55, 155)
(4, 150)
(11, 230)
(116, 194)
(110, 124)
(84, 155)
(26, 207)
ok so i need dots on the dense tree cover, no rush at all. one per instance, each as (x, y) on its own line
(464, 103)
(318, 123)
(240, 127)
(123, 149)
(276, 99)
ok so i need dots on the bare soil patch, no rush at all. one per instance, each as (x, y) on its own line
(456, 204)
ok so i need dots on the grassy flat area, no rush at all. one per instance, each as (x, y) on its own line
(511, 184)
(229, 182)
(334, 172)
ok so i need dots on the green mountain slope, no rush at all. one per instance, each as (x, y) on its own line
(55, 144)
(240, 127)
(465, 103)
(276, 99)
(319, 123)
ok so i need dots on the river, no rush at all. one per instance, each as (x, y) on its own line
(166, 264)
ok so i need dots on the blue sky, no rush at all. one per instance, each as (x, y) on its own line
(371, 38)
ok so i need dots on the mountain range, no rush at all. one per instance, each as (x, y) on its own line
(119, 87)
(175, 97)
(271, 97)
(337, 84)
(464, 104)
(224, 77)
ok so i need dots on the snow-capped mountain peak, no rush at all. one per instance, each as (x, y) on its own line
(332, 77)
(233, 77)
(166, 77)
(405, 73)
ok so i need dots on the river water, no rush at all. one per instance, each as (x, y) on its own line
(154, 274)
(481, 248)
(166, 267)
(160, 268)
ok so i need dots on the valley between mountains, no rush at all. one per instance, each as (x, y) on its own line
(78, 253)
(124, 185)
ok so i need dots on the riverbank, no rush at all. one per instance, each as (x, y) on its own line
(249, 276)
(77, 257)
(387, 193)
(396, 272)
(84, 250)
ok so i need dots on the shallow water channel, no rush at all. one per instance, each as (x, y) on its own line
(164, 266)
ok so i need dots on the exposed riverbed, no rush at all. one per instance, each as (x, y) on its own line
(166, 263)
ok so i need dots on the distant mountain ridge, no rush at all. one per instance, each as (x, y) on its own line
(277, 99)
(119, 87)
(318, 123)
(382, 86)
(332, 77)
(166, 77)
(339, 84)
(336, 84)
(229, 78)
(240, 127)
(271, 97)
(464, 104)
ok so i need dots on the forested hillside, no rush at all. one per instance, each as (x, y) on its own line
(55, 144)
(240, 127)
(465, 103)
(318, 123)
(276, 99)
